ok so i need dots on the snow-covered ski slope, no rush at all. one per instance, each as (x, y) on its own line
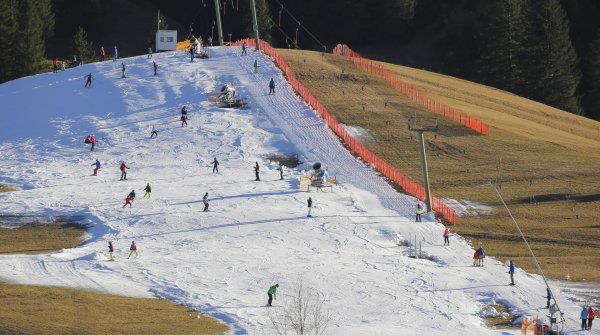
(256, 233)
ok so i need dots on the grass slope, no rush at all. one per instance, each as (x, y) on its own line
(544, 160)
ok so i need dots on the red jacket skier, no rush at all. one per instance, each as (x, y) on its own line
(124, 171)
(127, 201)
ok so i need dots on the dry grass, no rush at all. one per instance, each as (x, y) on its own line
(533, 152)
(40, 237)
(51, 310)
(4, 188)
(498, 321)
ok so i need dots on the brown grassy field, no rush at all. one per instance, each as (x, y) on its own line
(36, 310)
(4, 188)
(40, 237)
(544, 161)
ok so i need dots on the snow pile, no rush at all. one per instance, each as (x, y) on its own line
(468, 208)
(255, 234)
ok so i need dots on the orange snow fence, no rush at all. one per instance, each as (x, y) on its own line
(412, 92)
(183, 45)
(410, 186)
(530, 326)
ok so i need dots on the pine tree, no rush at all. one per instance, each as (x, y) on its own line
(82, 47)
(502, 40)
(8, 39)
(36, 24)
(553, 74)
(264, 20)
(592, 78)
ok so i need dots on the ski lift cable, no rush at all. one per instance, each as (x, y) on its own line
(303, 27)
(281, 30)
(537, 264)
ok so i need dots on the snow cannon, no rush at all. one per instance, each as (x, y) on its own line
(317, 166)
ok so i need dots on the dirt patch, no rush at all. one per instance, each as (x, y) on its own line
(4, 188)
(543, 160)
(41, 237)
(37, 310)
(289, 161)
(498, 316)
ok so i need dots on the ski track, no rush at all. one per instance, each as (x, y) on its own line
(256, 233)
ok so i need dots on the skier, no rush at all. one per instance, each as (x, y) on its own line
(149, 53)
(191, 54)
(154, 133)
(62, 66)
(481, 255)
(93, 142)
(80, 60)
(115, 54)
(183, 120)
(127, 201)
(584, 318)
(98, 166)
(88, 139)
(102, 53)
(272, 86)
(215, 165)
(280, 168)
(184, 111)
(446, 234)
(511, 271)
(55, 65)
(123, 168)
(256, 168)
(309, 202)
(132, 195)
(419, 212)
(147, 190)
(210, 41)
(548, 297)
(476, 258)
(244, 49)
(155, 68)
(591, 317)
(133, 249)
(256, 66)
(123, 70)
(205, 201)
(272, 293)
(110, 251)
(88, 82)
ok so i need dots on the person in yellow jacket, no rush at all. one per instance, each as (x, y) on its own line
(419, 212)
(133, 249)
(110, 251)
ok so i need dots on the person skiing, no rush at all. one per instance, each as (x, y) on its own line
(511, 271)
(548, 297)
(88, 82)
(256, 168)
(256, 66)
(481, 255)
(591, 317)
(110, 251)
(128, 201)
(155, 68)
(93, 142)
(98, 166)
(280, 168)
(133, 249)
(446, 235)
(244, 48)
(88, 139)
(584, 318)
(123, 70)
(205, 201)
(418, 212)
(102, 53)
(183, 120)
(215, 163)
(191, 54)
(147, 190)
(154, 133)
(272, 87)
(149, 53)
(184, 111)
(115, 54)
(123, 168)
(272, 293)
(80, 60)
(476, 258)
(132, 195)
(309, 202)
(55, 65)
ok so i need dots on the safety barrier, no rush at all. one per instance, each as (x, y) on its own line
(412, 92)
(183, 45)
(410, 186)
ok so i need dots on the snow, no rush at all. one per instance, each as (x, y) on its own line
(468, 208)
(358, 132)
(256, 233)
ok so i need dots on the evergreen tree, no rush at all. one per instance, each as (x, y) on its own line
(37, 24)
(8, 27)
(553, 74)
(82, 47)
(592, 78)
(502, 40)
(263, 18)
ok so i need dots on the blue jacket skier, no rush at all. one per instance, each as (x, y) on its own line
(272, 86)
(98, 166)
(511, 271)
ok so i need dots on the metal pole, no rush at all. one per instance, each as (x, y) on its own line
(158, 21)
(219, 28)
(255, 25)
(424, 168)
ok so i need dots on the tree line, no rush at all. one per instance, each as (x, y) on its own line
(546, 50)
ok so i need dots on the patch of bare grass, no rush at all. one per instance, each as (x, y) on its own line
(544, 160)
(501, 318)
(4, 188)
(36, 310)
(290, 161)
(41, 237)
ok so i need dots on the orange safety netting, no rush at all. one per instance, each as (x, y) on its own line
(412, 92)
(530, 326)
(183, 45)
(380, 165)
